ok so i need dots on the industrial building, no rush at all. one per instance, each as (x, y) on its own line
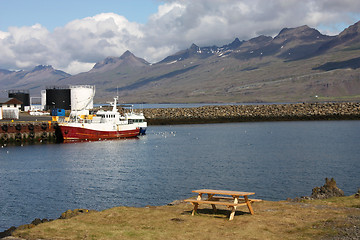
(21, 95)
(74, 98)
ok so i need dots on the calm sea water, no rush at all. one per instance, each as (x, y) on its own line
(276, 160)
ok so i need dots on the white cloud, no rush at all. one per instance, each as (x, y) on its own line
(93, 38)
(4, 35)
(76, 46)
(76, 66)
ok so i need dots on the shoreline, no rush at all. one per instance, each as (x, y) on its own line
(322, 198)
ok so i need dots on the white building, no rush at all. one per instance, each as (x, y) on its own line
(9, 108)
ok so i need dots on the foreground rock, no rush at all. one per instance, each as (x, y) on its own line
(327, 191)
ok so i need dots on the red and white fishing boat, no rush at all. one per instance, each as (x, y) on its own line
(102, 125)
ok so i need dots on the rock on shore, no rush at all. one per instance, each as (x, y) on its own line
(327, 191)
(242, 113)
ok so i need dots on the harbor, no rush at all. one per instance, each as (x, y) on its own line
(33, 129)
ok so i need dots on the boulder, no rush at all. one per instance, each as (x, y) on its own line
(7, 232)
(327, 191)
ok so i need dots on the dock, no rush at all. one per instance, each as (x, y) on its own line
(28, 130)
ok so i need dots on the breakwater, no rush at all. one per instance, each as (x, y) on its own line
(27, 132)
(245, 113)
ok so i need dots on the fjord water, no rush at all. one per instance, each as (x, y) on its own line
(276, 160)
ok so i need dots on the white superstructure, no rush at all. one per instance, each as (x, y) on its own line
(137, 118)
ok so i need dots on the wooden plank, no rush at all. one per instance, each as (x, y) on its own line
(223, 192)
(215, 202)
(231, 198)
(221, 197)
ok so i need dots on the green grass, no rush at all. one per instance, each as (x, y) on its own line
(300, 220)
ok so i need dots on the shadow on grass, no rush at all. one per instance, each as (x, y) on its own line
(220, 213)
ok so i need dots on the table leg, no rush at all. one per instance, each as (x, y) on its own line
(196, 205)
(212, 205)
(248, 203)
(232, 214)
(233, 209)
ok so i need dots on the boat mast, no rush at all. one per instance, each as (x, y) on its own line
(115, 104)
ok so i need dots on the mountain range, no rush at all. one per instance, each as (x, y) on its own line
(299, 64)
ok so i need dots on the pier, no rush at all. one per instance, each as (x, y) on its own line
(19, 132)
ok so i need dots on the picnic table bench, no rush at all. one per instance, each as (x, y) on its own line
(215, 197)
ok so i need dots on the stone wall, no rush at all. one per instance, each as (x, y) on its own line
(242, 113)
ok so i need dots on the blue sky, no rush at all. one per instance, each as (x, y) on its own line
(72, 35)
(56, 13)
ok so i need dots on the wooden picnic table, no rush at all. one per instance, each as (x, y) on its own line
(220, 197)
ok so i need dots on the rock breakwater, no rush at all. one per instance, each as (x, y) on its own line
(245, 113)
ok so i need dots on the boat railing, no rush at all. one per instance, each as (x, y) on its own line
(74, 120)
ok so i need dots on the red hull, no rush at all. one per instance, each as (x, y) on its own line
(76, 133)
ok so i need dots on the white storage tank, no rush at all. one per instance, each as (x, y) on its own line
(82, 97)
(43, 100)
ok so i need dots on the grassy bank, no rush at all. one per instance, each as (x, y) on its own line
(310, 219)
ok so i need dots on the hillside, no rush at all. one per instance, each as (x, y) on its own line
(299, 64)
(35, 80)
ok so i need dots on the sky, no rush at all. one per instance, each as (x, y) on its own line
(72, 35)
